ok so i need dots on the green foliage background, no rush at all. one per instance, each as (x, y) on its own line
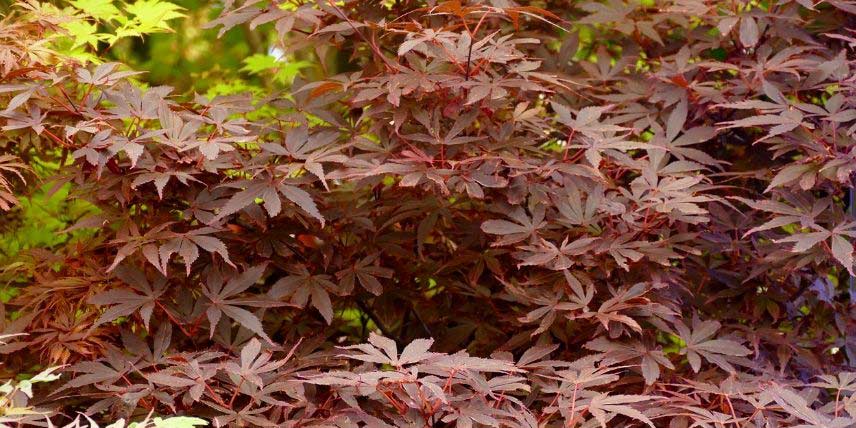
(180, 54)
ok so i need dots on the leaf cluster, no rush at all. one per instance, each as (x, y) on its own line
(437, 214)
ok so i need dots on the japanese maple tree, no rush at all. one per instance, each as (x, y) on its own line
(485, 213)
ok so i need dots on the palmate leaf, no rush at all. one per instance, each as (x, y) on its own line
(9, 166)
(152, 16)
(95, 372)
(187, 246)
(602, 404)
(104, 74)
(125, 301)
(836, 239)
(302, 199)
(223, 300)
(258, 63)
(253, 363)
(675, 139)
(162, 378)
(787, 121)
(301, 287)
(795, 405)
(161, 179)
(839, 244)
(382, 350)
(699, 343)
(366, 273)
(618, 352)
(522, 228)
(283, 70)
(103, 10)
(791, 174)
(12, 333)
(269, 193)
(84, 33)
(845, 381)
(313, 150)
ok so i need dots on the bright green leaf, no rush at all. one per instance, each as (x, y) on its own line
(179, 422)
(151, 16)
(288, 71)
(83, 33)
(99, 9)
(259, 62)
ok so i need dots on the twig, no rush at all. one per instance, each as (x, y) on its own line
(366, 310)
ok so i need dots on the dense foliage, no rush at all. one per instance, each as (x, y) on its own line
(428, 214)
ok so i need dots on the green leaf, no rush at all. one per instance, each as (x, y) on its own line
(287, 71)
(259, 62)
(151, 16)
(179, 422)
(103, 10)
(120, 423)
(82, 33)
